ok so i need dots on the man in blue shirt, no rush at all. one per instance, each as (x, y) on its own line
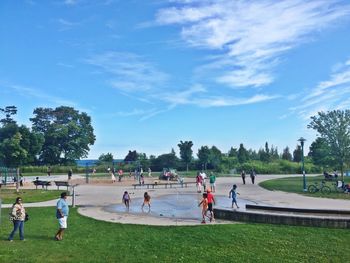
(62, 211)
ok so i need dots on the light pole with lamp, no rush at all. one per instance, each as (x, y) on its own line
(302, 140)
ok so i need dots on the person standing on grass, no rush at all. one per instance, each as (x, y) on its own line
(49, 171)
(212, 180)
(243, 176)
(17, 216)
(211, 202)
(233, 194)
(62, 211)
(146, 201)
(126, 199)
(204, 204)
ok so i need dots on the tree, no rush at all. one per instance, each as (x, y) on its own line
(297, 154)
(232, 152)
(8, 111)
(203, 156)
(108, 158)
(243, 155)
(131, 156)
(215, 157)
(67, 133)
(334, 128)
(11, 152)
(265, 154)
(186, 152)
(319, 152)
(286, 155)
(168, 160)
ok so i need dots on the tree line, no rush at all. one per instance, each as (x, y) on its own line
(63, 135)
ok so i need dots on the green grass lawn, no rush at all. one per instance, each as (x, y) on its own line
(89, 240)
(8, 196)
(295, 185)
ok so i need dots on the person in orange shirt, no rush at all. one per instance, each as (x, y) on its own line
(204, 203)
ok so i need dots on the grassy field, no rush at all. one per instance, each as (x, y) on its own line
(295, 185)
(89, 240)
(8, 196)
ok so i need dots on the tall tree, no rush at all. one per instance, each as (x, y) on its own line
(12, 153)
(203, 156)
(334, 127)
(215, 157)
(131, 156)
(186, 152)
(297, 154)
(232, 152)
(243, 155)
(286, 155)
(8, 111)
(68, 134)
(320, 153)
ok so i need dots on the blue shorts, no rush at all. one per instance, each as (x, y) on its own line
(234, 200)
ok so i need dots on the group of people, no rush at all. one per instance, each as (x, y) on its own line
(126, 199)
(201, 181)
(18, 216)
(252, 176)
(112, 172)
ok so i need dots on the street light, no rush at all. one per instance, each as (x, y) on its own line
(302, 140)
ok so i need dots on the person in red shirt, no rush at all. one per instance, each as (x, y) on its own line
(211, 201)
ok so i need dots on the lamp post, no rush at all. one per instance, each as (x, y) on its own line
(302, 140)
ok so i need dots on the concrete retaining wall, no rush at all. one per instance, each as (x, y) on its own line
(336, 222)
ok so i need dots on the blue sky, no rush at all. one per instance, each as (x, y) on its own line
(152, 73)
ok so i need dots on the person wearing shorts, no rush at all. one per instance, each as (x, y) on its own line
(146, 201)
(212, 180)
(233, 194)
(211, 201)
(204, 204)
(62, 211)
(126, 200)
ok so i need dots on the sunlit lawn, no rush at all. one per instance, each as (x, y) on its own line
(89, 240)
(28, 195)
(295, 185)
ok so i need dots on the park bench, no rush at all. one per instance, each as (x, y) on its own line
(62, 183)
(166, 185)
(10, 182)
(42, 183)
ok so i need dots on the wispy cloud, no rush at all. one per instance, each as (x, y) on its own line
(328, 95)
(130, 72)
(251, 36)
(33, 93)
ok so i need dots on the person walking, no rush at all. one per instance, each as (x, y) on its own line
(146, 201)
(243, 176)
(199, 180)
(204, 204)
(252, 176)
(126, 200)
(233, 194)
(211, 202)
(17, 216)
(212, 180)
(70, 173)
(62, 211)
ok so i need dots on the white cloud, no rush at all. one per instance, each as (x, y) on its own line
(327, 95)
(130, 72)
(251, 35)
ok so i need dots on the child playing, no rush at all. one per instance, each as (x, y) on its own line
(204, 204)
(146, 201)
(126, 199)
(233, 194)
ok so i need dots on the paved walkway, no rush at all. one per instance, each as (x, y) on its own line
(92, 198)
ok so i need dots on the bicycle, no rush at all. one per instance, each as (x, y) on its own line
(323, 188)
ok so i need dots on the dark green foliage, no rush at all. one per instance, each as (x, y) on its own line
(286, 155)
(243, 155)
(68, 134)
(168, 160)
(131, 156)
(8, 111)
(108, 157)
(334, 128)
(297, 154)
(203, 156)
(186, 152)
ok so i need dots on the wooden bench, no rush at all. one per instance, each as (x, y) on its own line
(62, 183)
(42, 183)
(166, 185)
